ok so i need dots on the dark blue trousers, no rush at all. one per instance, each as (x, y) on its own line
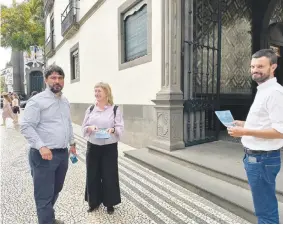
(48, 179)
(262, 170)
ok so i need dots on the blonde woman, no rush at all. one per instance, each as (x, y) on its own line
(103, 126)
(15, 107)
(7, 110)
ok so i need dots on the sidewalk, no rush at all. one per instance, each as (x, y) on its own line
(146, 196)
(154, 185)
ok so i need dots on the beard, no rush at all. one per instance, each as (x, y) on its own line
(260, 77)
(55, 88)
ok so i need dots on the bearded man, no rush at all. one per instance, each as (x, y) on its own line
(262, 136)
(47, 126)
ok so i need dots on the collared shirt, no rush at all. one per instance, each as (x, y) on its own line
(47, 121)
(103, 119)
(266, 112)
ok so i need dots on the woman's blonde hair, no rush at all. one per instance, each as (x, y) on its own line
(106, 87)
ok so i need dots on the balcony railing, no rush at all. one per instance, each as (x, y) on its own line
(48, 4)
(69, 24)
(49, 46)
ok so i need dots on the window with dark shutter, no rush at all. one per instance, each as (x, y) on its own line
(75, 63)
(135, 28)
(134, 33)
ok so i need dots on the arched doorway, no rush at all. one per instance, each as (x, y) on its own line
(36, 81)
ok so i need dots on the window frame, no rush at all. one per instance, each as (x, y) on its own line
(123, 9)
(72, 65)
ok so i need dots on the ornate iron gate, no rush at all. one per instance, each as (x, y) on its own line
(202, 67)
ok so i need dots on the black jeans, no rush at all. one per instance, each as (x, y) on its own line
(102, 180)
(48, 179)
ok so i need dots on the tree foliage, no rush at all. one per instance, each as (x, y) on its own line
(22, 25)
(3, 85)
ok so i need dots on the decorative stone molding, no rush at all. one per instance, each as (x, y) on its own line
(169, 124)
(163, 124)
(169, 100)
(29, 68)
(171, 51)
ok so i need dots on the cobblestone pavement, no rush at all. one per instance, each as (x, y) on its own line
(146, 196)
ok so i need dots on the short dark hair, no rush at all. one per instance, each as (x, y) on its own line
(268, 53)
(53, 68)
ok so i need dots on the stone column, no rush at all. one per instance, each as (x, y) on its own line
(16, 60)
(169, 100)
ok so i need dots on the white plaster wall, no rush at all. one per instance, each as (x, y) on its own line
(58, 9)
(47, 26)
(98, 41)
(84, 6)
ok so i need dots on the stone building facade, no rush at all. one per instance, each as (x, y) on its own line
(171, 63)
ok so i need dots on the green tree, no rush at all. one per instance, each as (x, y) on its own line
(3, 86)
(22, 25)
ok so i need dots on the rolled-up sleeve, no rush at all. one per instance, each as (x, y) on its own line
(119, 123)
(29, 122)
(275, 110)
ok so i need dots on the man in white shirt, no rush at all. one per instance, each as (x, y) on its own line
(262, 136)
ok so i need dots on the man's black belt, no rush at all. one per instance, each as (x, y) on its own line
(59, 149)
(249, 151)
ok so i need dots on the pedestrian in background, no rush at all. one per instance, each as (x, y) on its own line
(102, 181)
(15, 107)
(47, 126)
(7, 109)
(262, 136)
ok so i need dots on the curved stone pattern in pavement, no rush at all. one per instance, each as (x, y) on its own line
(146, 196)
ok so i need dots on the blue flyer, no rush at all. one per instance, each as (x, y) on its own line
(102, 134)
(225, 117)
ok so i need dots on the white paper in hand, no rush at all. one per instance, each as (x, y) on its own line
(225, 117)
(102, 134)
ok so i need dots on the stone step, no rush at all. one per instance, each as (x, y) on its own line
(213, 166)
(234, 198)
